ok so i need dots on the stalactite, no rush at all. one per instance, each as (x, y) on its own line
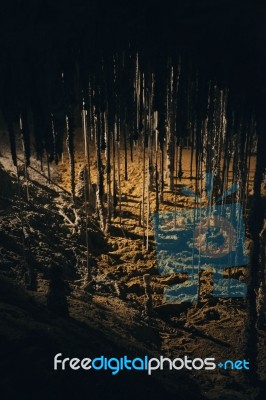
(156, 172)
(12, 142)
(71, 150)
(159, 108)
(170, 159)
(25, 135)
(26, 154)
(119, 172)
(108, 176)
(114, 174)
(102, 130)
(58, 113)
(100, 176)
(249, 155)
(148, 194)
(125, 149)
(192, 152)
(160, 105)
(176, 177)
(180, 169)
(48, 167)
(226, 154)
(150, 129)
(143, 183)
(59, 130)
(170, 129)
(90, 113)
(56, 159)
(86, 191)
(39, 133)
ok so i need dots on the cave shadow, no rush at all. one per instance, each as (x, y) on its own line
(127, 200)
(48, 190)
(195, 331)
(31, 356)
(118, 231)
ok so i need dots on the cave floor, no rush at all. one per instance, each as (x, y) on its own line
(212, 327)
